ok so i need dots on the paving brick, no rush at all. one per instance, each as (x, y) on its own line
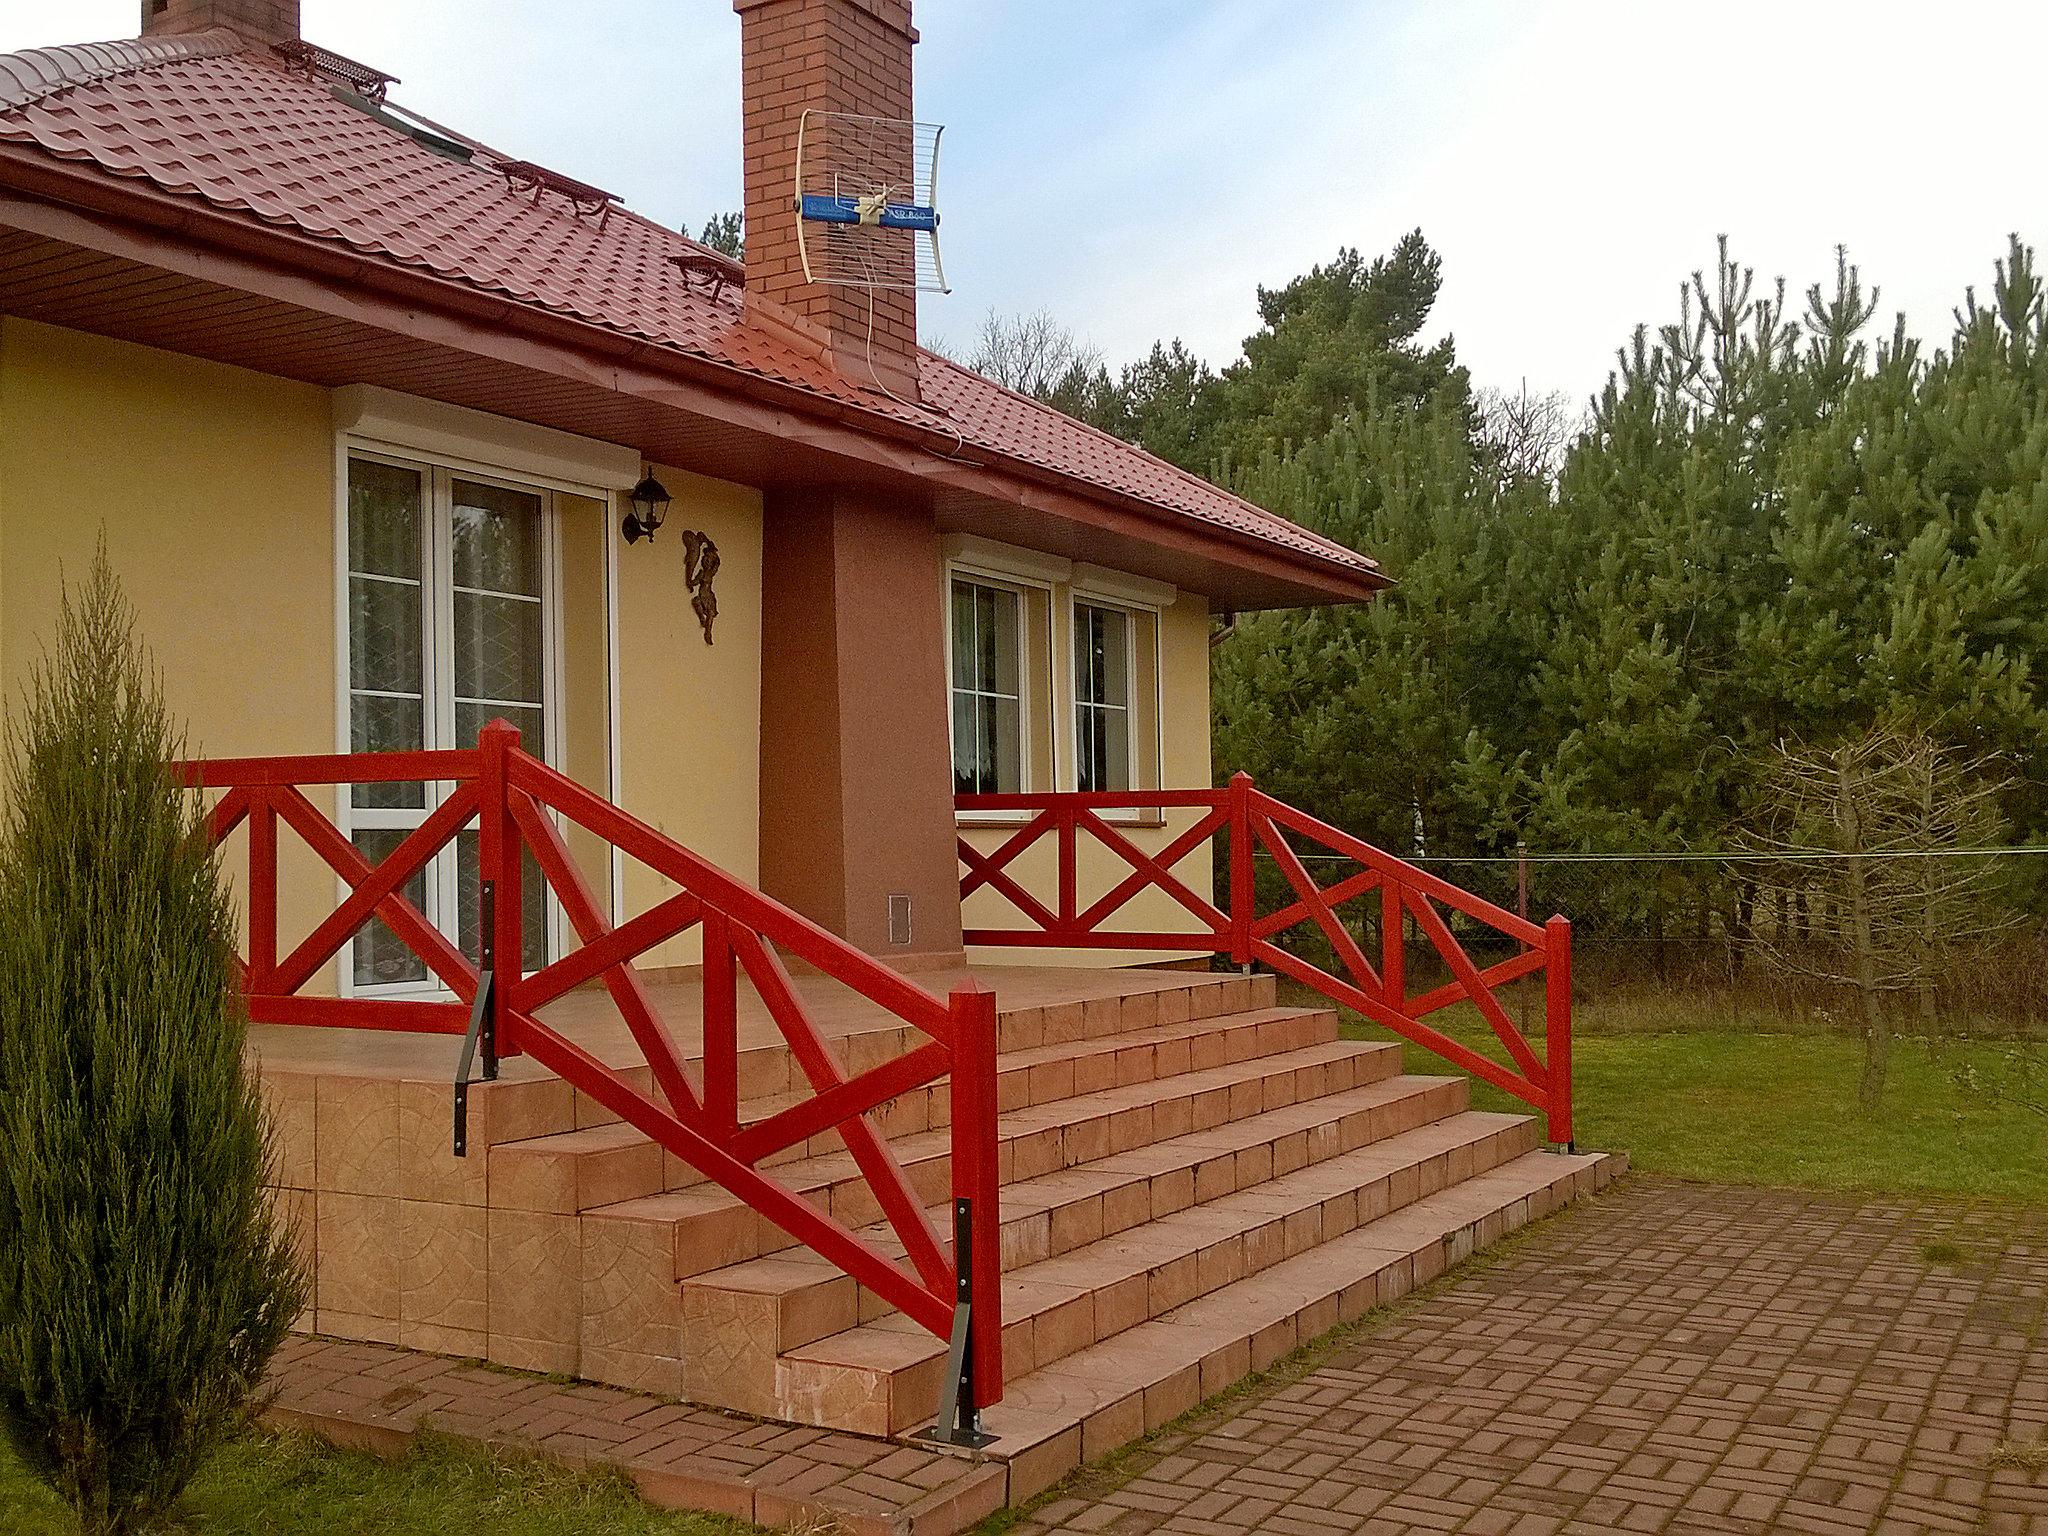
(1676, 1358)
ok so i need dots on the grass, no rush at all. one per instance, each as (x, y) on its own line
(2020, 1455)
(1704, 1098)
(277, 1485)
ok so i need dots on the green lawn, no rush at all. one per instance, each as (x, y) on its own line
(1703, 1099)
(276, 1485)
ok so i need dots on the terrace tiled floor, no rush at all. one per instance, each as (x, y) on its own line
(1671, 1358)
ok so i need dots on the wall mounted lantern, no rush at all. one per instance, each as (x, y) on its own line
(650, 500)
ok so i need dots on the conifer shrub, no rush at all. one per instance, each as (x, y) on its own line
(145, 1276)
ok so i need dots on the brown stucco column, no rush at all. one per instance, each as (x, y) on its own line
(856, 770)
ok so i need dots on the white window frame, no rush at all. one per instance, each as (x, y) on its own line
(439, 471)
(1129, 707)
(1064, 583)
(979, 575)
(1127, 595)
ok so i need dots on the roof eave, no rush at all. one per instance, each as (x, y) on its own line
(216, 242)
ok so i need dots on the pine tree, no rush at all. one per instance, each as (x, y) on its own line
(1772, 528)
(1329, 340)
(145, 1278)
(726, 233)
(1382, 717)
(1166, 404)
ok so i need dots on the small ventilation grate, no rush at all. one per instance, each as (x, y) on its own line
(323, 64)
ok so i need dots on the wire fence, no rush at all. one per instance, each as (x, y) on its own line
(1771, 938)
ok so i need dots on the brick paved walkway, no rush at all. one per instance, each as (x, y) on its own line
(1672, 1358)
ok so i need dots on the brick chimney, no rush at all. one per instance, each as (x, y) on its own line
(829, 56)
(261, 21)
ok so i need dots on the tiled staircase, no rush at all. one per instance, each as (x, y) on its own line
(1194, 1180)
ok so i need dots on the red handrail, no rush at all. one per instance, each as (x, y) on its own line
(515, 801)
(1246, 822)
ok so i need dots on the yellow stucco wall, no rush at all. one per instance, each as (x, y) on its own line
(1184, 764)
(585, 715)
(215, 489)
(690, 713)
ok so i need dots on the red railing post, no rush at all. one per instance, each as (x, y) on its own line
(721, 1028)
(1393, 945)
(262, 892)
(498, 861)
(1243, 876)
(1069, 875)
(975, 1178)
(1557, 1025)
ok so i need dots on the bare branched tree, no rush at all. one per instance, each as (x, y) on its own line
(1527, 435)
(1033, 354)
(1872, 845)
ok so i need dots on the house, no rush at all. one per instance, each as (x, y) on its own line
(320, 335)
(390, 434)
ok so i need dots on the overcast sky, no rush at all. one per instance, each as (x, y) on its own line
(1139, 167)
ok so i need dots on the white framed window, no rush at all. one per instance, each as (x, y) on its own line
(986, 653)
(1105, 664)
(450, 622)
(1068, 651)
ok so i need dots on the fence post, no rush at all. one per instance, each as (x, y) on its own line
(1522, 911)
(262, 891)
(498, 861)
(1393, 945)
(1243, 876)
(975, 1176)
(1065, 834)
(721, 1028)
(1557, 1026)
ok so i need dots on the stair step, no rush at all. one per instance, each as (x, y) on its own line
(1062, 1305)
(604, 1164)
(1141, 999)
(1060, 1134)
(1061, 1069)
(766, 1065)
(712, 1228)
(799, 1297)
(1127, 1385)
(1175, 997)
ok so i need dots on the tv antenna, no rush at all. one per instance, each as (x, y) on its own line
(867, 192)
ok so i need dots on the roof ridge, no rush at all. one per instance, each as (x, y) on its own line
(34, 73)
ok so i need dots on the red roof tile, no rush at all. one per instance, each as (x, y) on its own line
(211, 117)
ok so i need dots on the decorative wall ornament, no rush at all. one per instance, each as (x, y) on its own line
(700, 568)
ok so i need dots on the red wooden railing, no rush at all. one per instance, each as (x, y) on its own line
(1245, 822)
(518, 804)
